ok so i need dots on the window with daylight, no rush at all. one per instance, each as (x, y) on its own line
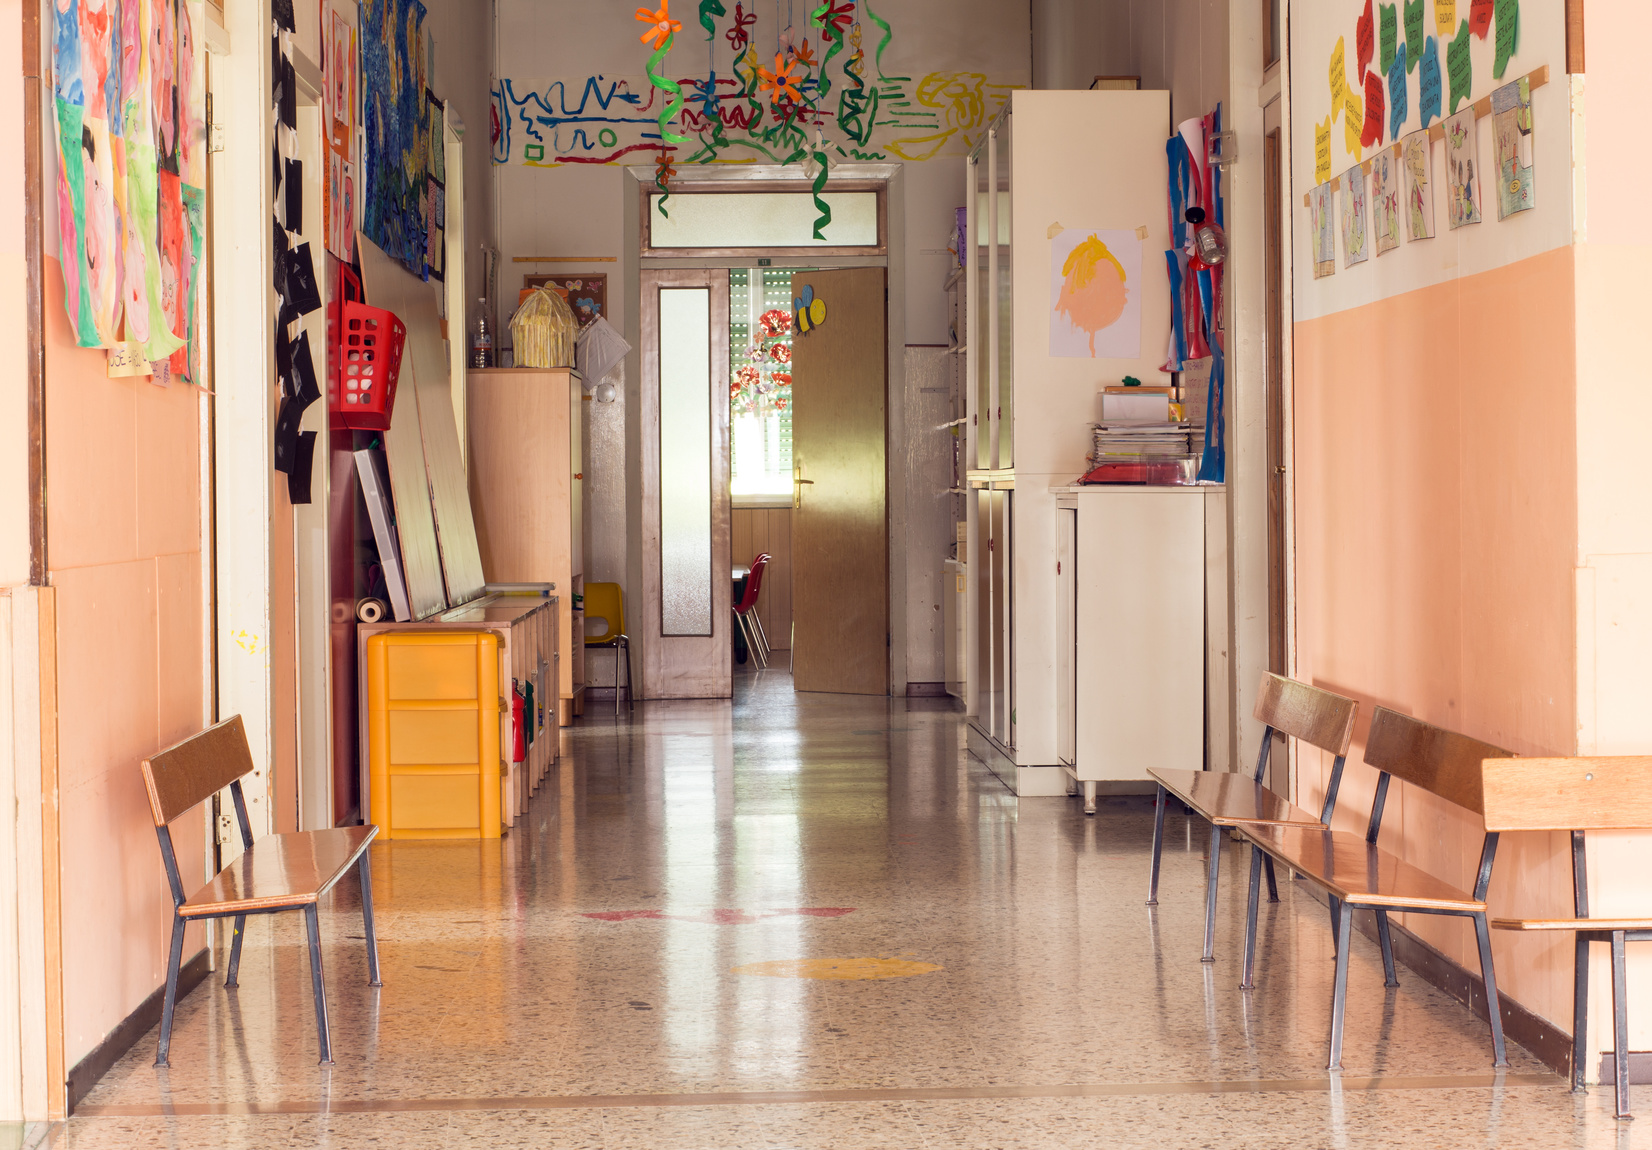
(760, 385)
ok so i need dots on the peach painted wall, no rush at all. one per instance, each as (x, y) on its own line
(124, 538)
(1436, 525)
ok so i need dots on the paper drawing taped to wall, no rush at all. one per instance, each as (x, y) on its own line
(1462, 177)
(1095, 294)
(1511, 110)
(1385, 199)
(838, 101)
(1417, 158)
(1356, 235)
(1323, 220)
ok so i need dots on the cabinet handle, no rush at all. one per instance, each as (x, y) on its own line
(579, 475)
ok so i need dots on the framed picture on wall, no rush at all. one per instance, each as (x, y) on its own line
(587, 294)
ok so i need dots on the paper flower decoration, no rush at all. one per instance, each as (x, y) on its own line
(834, 18)
(662, 25)
(784, 379)
(803, 54)
(781, 353)
(737, 35)
(780, 83)
(775, 321)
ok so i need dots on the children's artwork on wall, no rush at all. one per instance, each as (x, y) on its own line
(339, 60)
(129, 113)
(838, 98)
(1095, 294)
(396, 200)
(1323, 219)
(1463, 178)
(1417, 158)
(586, 293)
(1356, 235)
(1511, 111)
(1385, 199)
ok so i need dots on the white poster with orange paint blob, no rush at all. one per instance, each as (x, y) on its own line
(1095, 294)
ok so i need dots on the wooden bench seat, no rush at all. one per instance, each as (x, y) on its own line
(1579, 795)
(1223, 798)
(281, 872)
(1356, 871)
(272, 874)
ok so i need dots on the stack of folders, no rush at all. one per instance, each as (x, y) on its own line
(1138, 439)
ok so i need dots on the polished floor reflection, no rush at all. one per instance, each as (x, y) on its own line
(801, 921)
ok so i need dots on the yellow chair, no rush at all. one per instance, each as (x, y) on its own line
(605, 604)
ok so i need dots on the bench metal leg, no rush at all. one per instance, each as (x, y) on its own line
(1335, 904)
(1210, 893)
(1580, 1014)
(1159, 803)
(364, 869)
(1273, 883)
(1383, 937)
(318, 984)
(1494, 1004)
(174, 960)
(1256, 860)
(234, 980)
(1339, 995)
(1620, 1026)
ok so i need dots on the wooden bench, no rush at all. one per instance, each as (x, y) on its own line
(277, 873)
(1579, 795)
(1226, 799)
(1354, 871)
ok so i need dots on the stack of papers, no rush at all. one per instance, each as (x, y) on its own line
(1140, 440)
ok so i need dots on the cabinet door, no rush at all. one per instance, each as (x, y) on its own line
(1003, 320)
(1066, 639)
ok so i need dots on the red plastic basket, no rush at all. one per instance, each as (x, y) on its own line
(365, 359)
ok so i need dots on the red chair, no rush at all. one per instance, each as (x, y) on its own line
(745, 612)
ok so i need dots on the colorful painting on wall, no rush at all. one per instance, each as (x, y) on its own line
(1462, 180)
(338, 190)
(1356, 235)
(1417, 158)
(398, 204)
(1385, 199)
(1322, 216)
(1511, 110)
(586, 293)
(1095, 293)
(129, 113)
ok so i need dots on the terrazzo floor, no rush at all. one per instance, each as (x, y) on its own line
(574, 985)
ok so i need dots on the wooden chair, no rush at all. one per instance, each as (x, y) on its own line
(1226, 799)
(277, 873)
(1579, 795)
(1355, 871)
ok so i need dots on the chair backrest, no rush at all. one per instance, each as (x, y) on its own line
(605, 601)
(1594, 794)
(194, 770)
(1441, 761)
(1311, 715)
(754, 584)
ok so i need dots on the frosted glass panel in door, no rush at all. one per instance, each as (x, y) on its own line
(685, 461)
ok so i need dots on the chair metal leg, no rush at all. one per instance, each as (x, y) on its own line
(1159, 804)
(1339, 995)
(1383, 937)
(1620, 1026)
(1210, 893)
(1494, 1003)
(616, 679)
(1254, 896)
(1273, 883)
(234, 980)
(365, 870)
(318, 985)
(1580, 1014)
(762, 635)
(174, 960)
(752, 644)
(630, 683)
(1335, 905)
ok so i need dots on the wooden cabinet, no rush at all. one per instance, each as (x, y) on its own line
(526, 492)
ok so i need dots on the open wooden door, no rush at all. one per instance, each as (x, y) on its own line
(840, 541)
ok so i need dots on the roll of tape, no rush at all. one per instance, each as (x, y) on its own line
(372, 611)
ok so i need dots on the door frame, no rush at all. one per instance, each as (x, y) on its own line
(637, 181)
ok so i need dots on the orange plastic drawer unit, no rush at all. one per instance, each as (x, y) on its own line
(433, 734)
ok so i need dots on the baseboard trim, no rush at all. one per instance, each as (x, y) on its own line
(1551, 1045)
(134, 1026)
(926, 690)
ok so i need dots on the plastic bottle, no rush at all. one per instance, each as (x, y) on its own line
(481, 337)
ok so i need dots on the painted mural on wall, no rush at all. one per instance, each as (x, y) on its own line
(403, 178)
(741, 88)
(129, 114)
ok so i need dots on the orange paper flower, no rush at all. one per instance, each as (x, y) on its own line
(662, 24)
(779, 82)
(803, 54)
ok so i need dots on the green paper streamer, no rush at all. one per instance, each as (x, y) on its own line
(825, 218)
(708, 9)
(888, 34)
(831, 34)
(660, 81)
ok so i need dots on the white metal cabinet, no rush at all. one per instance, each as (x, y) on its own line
(1137, 638)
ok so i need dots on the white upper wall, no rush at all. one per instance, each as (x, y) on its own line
(1315, 28)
